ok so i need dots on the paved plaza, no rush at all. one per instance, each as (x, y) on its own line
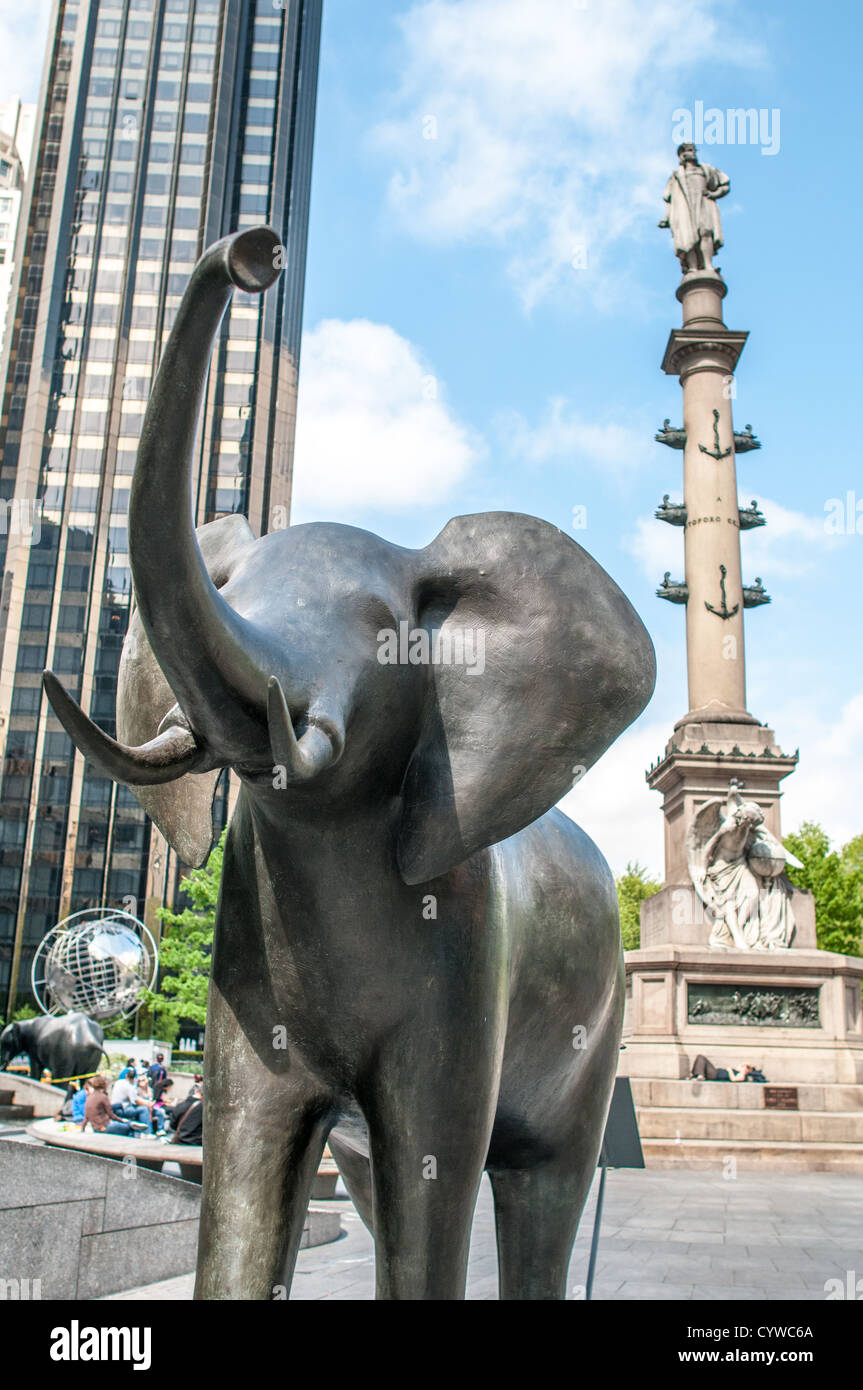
(674, 1234)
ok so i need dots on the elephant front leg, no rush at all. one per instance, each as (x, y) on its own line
(429, 1128)
(264, 1132)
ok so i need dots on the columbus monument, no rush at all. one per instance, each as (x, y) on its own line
(728, 965)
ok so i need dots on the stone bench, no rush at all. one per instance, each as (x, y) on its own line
(147, 1152)
(324, 1186)
(320, 1228)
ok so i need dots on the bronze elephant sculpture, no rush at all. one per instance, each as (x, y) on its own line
(68, 1045)
(415, 958)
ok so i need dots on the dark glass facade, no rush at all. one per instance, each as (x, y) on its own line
(162, 125)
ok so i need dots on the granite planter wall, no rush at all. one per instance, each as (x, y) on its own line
(85, 1226)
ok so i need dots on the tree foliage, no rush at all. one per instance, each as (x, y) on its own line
(22, 1012)
(633, 887)
(835, 878)
(186, 949)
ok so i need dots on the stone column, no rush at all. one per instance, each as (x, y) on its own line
(717, 739)
(704, 354)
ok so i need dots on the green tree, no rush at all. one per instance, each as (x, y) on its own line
(24, 1011)
(185, 951)
(632, 888)
(835, 878)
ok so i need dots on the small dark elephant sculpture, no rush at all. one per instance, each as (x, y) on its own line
(408, 962)
(68, 1045)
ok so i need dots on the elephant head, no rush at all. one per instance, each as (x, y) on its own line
(10, 1044)
(299, 659)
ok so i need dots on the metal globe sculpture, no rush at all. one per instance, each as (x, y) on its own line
(96, 962)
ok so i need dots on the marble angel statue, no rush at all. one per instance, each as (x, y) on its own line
(738, 870)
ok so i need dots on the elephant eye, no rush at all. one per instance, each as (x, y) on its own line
(377, 614)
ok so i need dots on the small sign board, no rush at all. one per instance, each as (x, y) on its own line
(621, 1145)
(780, 1098)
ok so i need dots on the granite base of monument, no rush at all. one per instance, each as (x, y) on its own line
(794, 1014)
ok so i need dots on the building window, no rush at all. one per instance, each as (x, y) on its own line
(35, 617)
(25, 701)
(67, 660)
(262, 87)
(31, 658)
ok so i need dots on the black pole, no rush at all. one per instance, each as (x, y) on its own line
(594, 1241)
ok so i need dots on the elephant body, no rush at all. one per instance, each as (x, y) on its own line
(415, 957)
(484, 1037)
(68, 1045)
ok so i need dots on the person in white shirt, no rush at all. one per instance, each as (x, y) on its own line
(124, 1100)
(124, 1090)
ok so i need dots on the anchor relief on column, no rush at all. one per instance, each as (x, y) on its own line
(715, 452)
(724, 611)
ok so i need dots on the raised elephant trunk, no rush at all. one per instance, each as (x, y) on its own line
(218, 665)
(220, 659)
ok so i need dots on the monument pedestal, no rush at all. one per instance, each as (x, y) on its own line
(795, 1015)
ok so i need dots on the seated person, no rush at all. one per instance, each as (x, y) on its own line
(144, 1099)
(99, 1113)
(161, 1103)
(125, 1101)
(79, 1101)
(160, 1091)
(188, 1118)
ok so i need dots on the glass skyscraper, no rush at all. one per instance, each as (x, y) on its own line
(16, 140)
(161, 125)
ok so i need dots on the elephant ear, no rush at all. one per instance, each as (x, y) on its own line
(555, 663)
(183, 810)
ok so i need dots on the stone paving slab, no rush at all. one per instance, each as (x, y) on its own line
(666, 1234)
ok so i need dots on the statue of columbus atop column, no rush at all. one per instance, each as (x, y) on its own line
(693, 216)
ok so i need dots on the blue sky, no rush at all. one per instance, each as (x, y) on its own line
(488, 300)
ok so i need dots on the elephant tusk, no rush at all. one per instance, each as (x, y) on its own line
(319, 747)
(171, 754)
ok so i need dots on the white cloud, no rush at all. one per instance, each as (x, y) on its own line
(826, 785)
(790, 544)
(373, 427)
(614, 804)
(544, 126)
(657, 547)
(562, 435)
(23, 31)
